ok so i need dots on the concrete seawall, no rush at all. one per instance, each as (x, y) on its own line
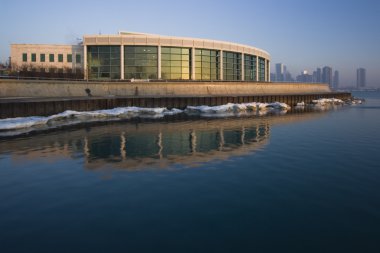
(20, 98)
(37, 88)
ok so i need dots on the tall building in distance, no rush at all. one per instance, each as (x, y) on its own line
(327, 76)
(336, 79)
(280, 72)
(360, 78)
(317, 76)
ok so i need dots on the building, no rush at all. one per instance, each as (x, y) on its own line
(360, 78)
(280, 70)
(304, 77)
(47, 58)
(146, 56)
(327, 76)
(336, 79)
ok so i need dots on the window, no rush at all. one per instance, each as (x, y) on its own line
(24, 57)
(249, 67)
(51, 57)
(69, 58)
(206, 64)
(261, 69)
(175, 63)
(231, 66)
(103, 62)
(140, 62)
(77, 58)
(42, 57)
(60, 57)
(33, 57)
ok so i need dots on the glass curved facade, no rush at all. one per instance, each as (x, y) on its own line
(153, 61)
(175, 63)
(140, 62)
(207, 64)
(103, 62)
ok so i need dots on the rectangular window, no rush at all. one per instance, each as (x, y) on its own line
(69, 58)
(250, 67)
(207, 64)
(176, 61)
(140, 62)
(34, 58)
(77, 58)
(24, 57)
(60, 57)
(42, 57)
(231, 66)
(103, 62)
(51, 57)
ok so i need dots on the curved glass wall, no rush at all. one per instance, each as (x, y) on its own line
(261, 69)
(175, 63)
(103, 62)
(140, 62)
(231, 66)
(249, 67)
(206, 64)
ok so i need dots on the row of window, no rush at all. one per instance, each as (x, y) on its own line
(141, 62)
(69, 57)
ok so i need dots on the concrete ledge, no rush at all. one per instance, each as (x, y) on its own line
(38, 88)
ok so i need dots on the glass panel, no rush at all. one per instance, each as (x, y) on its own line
(175, 69)
(176, 63)
(165, 50)
(24, 57)
(51, 57)
(78, 58)
(176, 76)
(69, 58)
(42, 57)
(175, 57)
(175, 50)
(60, 57)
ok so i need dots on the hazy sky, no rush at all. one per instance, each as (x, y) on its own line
(301, 34)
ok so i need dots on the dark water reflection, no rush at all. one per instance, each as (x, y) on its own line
(146, 144)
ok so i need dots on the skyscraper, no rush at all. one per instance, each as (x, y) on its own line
(327, 76)
(360, 78)
(318, 75)
(279, 72)
(336, 79)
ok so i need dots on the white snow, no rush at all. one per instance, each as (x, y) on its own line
(72, 117)
(236, 108)
(327, 101)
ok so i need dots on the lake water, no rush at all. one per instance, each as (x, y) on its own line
(298, 182)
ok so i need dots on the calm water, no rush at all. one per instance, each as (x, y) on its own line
(300, 182)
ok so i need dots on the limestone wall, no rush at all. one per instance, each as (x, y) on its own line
(35, 88)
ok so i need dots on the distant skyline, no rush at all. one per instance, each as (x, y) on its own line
(303, 35)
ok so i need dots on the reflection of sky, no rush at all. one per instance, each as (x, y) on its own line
(344, 35)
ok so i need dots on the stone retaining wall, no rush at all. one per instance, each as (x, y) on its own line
(37, 88)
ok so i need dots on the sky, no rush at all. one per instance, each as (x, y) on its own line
(303, 35)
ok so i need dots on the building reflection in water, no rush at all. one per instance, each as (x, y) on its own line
(159, 144)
